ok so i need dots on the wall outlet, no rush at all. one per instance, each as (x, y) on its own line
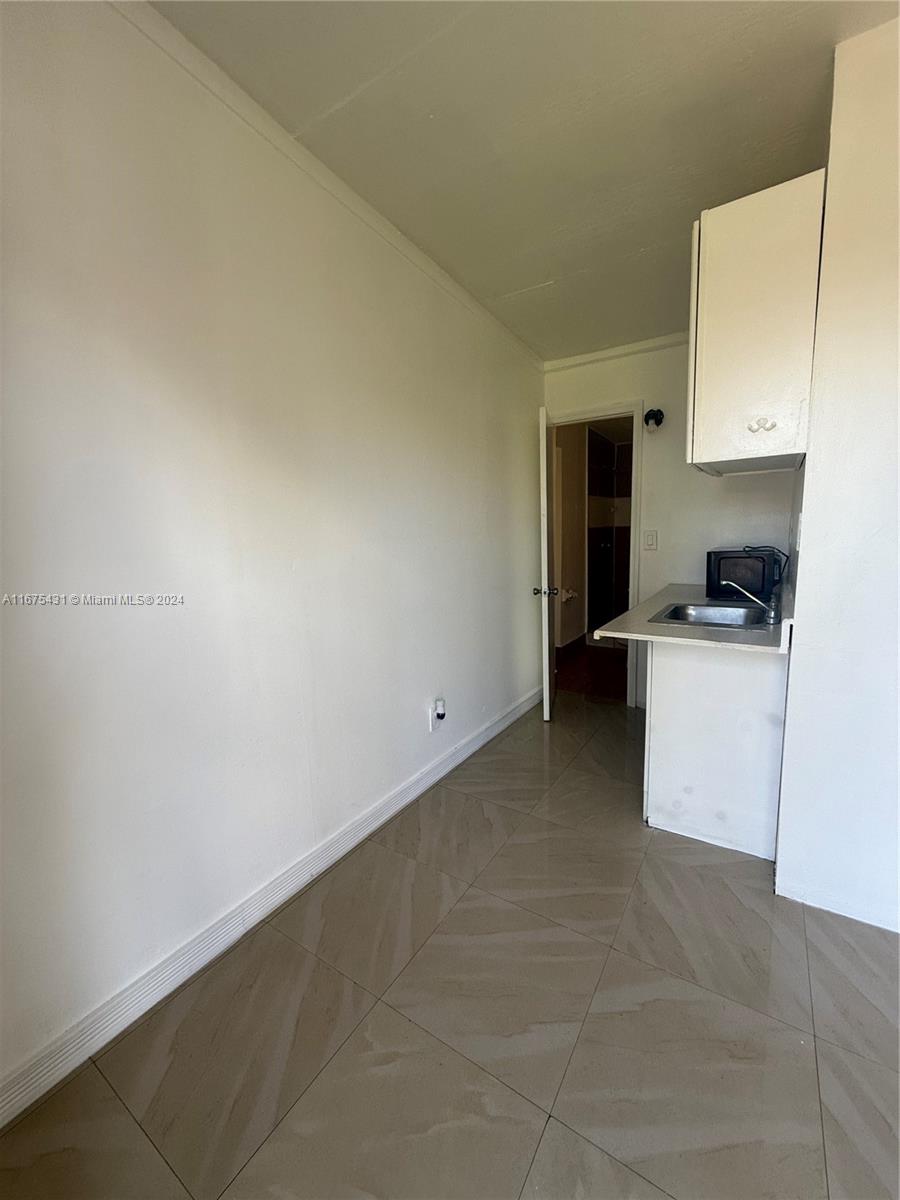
(650, 539)
(437, 712)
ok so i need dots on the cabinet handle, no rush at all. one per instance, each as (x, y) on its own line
(761, 425)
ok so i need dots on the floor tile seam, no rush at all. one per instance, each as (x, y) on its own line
(506, 841)
(622, 1163)
(471, 1061)
(276, 912)
(443, 870)
(705, 987)
(381, 995)
(514, 808)
(812, 1015)
(457, 791)
(533, 1157)
(38, 1103)
(526, 757)
(537, 755)
(614, 779)
(553, 1113)
(578, 828)
(814, 910)
(300, 1096)
(634, 882)
(531, 912)
(712, 992)
(540, 917)
(160, 1004)
(875, 1062)
(599, 979)
(422, 862)
(596, 941)
(581, 1028)
(143, 1131)
(352, 1030)
(523, 812)
(599, 840)
(831, 1042)
(324, 961)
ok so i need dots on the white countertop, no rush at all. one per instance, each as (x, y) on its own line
(635, 625)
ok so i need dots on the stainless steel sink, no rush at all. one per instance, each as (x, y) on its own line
(719, 616)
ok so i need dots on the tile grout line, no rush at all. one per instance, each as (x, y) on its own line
(297, 1100)
(712, 992)
(325, 963)
(44, 1097)
(812, 1016)
(621, 1163)
(608, 947)
(555, 1117)
(637, 876)
(442, 870)
(846, 1049)
(473, 884)
(350, 1032)
(380, 999)
(471, 1061)
(523, 813)
(182, 987)
(537, 1147)
(530, 813)
(156, 1148)
(419, 949)
(599, 980)
(587, 1013)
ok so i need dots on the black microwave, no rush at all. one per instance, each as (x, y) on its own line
(757, 569)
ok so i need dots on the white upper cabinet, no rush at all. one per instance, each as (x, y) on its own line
(753, 315)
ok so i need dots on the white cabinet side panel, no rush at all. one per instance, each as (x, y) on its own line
(716, 721)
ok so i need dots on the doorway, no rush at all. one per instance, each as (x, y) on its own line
(593, 476)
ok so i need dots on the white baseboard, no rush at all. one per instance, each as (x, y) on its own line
(27, 1083)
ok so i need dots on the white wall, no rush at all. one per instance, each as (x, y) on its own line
(225, 377)
(837, 844)
(690, 511)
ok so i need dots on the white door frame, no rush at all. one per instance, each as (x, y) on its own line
(634, 409)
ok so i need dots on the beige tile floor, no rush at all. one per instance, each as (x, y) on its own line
(513, 989)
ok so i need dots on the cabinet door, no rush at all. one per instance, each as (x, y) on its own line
(756, 315)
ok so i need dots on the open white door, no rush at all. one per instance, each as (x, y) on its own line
(547, 588)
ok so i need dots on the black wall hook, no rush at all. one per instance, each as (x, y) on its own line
(654, 415)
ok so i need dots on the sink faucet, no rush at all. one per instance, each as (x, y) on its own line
(773, 615)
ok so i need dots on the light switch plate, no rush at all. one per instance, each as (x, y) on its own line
(650, 539)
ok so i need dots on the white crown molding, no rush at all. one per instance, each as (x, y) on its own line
(27, 1083)
(646, 347)
(147, 21)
